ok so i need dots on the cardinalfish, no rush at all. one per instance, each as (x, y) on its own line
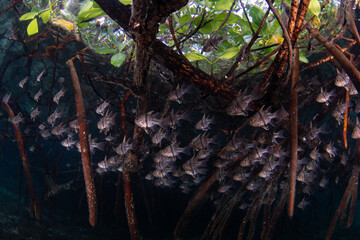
(55, 115)
(324, 97)
(59, 95)
(241, 104)
(174, 150)
(102, 107)
(262, 118)
(178, 94)
(148, 120)
(205, 122)
(38, 95)
(107, 122)
(39, 77)
(23, 81)
(34, 114)
(124, 147)
(6, 97)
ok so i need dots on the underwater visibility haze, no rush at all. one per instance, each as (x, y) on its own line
(179, 119)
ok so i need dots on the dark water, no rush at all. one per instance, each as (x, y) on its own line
(66, 215)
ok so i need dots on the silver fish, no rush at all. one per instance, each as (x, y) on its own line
(323, 182)
(330, 149)
(109, 138)
(34, 114)
(315, 154)
(111, 163)
(304, 176)
(38, 95)
(42, 126)
(238, 144)
(172, 119)
(22, 82)
(45, 133)
(107, 122)
(241, 176)
(339, 110)
(324, 97)
(312, 165)
(148, 120)
(173, 150)
(204, 123)
(357, 107)
(202, 141)
(96, 145)
(100, 170)
(61, 80)
(74, 125)
(314, 132)
(6, 97)
(27, 130)
(352, 89)
(254, 186)
(343, 159)
(39, 77)
(225, 188)
(104, 164)
(115, 160)
(32, 148)
(356, 131)
(179, 92)
(302, 204)
(55, 115)
(194, 166)
(59, 94)
(262, 118)
(158, 158)
(60, 129)
(204, 153)
(93, 145)
(257, 153)
(124, 147)
(102, 107)
(265, 174)
(239, 106)
(159, 136)
(68, 142)
(342, 79)
(17, 119)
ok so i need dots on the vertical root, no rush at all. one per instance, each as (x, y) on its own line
(84, 145)
(293, 126)
(34, 204)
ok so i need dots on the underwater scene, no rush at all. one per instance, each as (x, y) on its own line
(179, 119)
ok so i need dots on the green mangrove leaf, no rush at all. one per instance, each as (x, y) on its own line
(233, 18)
(45, 16)
(256, 14)
(223, 5)
(28, 16)
(86, 6)
(303, 59)
(314, 7)
(90, 14)
(32, 27)
(118, 59)
(105, 50)
(208, 27)
(229, 53)
(125, 2)
(194, 56)
(185, 18)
